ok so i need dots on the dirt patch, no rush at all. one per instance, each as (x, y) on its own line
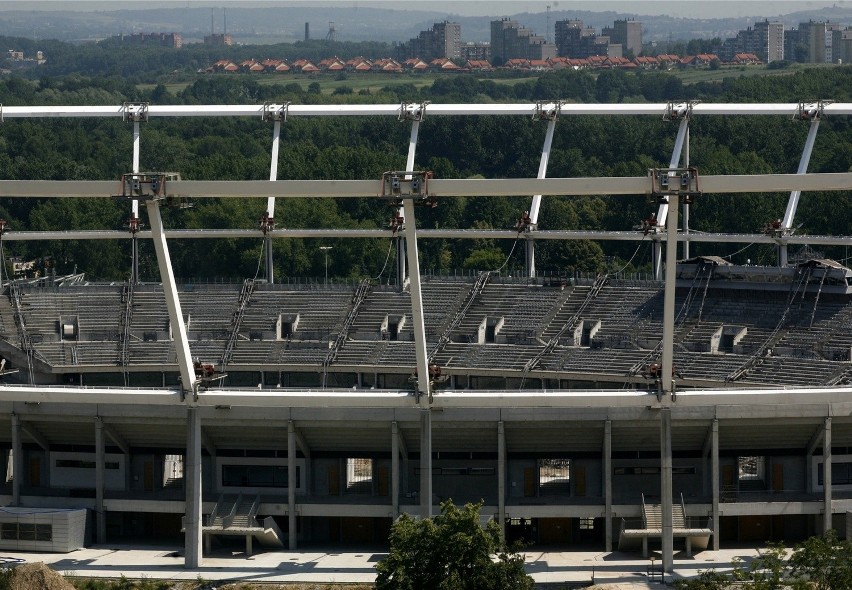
(37, 576)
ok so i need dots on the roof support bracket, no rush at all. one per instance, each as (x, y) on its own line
(675, 111)
(275, 112)
(547, 110)
(134, 112)
(412, 111)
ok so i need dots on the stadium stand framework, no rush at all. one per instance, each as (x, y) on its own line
(703, 404)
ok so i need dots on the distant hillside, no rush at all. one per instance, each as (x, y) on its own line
(287, 24)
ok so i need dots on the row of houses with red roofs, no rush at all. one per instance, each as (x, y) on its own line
(389, 65)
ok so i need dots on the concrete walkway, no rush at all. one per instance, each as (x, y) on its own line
(627, 570)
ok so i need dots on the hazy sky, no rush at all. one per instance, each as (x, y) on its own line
(693, 8)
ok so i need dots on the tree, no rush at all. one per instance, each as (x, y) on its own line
(450, 552)
(823, 563)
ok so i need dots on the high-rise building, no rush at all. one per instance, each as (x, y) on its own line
(812, 39)
(442, 40)
(509, 40)
(841, 45)
(769, 41)
(626, 32)
(577, 41)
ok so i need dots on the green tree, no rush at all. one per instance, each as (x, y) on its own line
(823, 563)
(450, 552)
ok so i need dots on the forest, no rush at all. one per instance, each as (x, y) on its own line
(451, 147)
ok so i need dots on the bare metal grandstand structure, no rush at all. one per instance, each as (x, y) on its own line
(707, 402)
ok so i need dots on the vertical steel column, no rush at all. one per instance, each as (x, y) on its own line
(714, 466)
(793, 202)
(607, 483)
(536, 200)
(666, 488)
(164, 262)
(192, 475)
(501, 477)
(291, 486)
(100, 459)
(17, 460)
(270, 201)
(663, 212)
(686, 205)
(826, 477)
(394, 469)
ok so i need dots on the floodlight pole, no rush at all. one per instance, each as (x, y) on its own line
(325, 250)
(551, 117)
(793, 202)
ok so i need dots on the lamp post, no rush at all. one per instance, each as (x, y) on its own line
(325, 249)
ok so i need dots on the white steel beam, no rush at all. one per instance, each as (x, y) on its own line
(793, 202)
(184, 358)
(749, 399)
(536, 200)
(470, 187)
(663, 210)
(393, 110)
(467, 234)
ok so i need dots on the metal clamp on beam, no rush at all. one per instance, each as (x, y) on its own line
(397, 186)
(275, 111)
(1, 114)
(810, 110)
(676, 111)
(149, 186)
(547, 110)
(682, 182)
(412, 111)
(134, 112)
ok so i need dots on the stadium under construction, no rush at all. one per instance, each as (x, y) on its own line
(704, 404)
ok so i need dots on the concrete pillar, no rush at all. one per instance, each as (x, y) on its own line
(826, 477)
(192, 476)
(100, 465)
(666, 488)
(291, 485)
(607, 483)
(394, 469)
(426, 463)
(714, 472)
(17, 460)
(501, 477)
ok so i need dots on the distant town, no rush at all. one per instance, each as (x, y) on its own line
(576, 46)
(513, 46)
